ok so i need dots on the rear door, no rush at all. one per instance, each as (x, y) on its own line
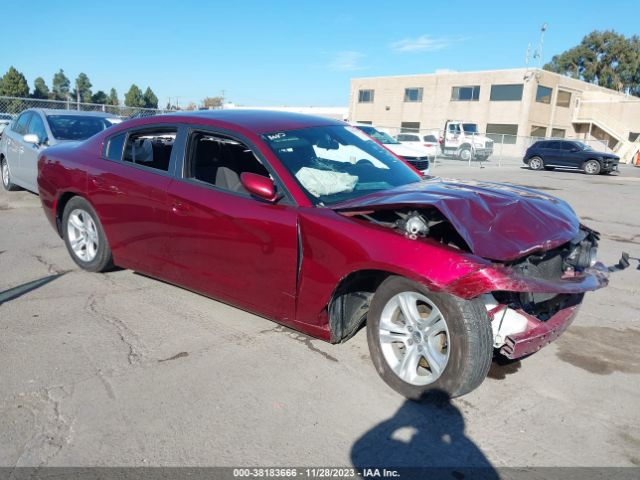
(226, 243)
(128, 189)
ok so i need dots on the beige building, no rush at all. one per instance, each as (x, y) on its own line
(511, 105)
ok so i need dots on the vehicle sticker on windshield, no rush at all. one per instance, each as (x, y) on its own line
(274, 137)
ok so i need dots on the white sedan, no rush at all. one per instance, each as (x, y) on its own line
(429, 143)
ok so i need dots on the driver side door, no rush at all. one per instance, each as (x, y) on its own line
(224, 242)
(29, 156)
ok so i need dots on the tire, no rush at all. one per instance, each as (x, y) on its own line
(592, 167)
(465, 154)
(460, 341)
(6, 177)
(536, 163)
(81, 227)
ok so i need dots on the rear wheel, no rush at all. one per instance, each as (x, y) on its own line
(6, 177)
(536, 163)
(592, 167)
(84, 236)
(421, 341)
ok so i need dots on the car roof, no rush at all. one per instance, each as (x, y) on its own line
(258, 121)
(59, 111)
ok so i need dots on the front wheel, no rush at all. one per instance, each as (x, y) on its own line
(84, 236)
(592, 167)
(465, 154)
(6, 177)
(421, 341)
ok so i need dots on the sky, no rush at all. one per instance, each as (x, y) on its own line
(294, 53)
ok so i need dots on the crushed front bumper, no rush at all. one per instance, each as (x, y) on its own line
(537, 333)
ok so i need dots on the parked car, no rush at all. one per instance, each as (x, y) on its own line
(572, 154)
(418, 141)
(418, 158)
(237, 205)
(36, 129)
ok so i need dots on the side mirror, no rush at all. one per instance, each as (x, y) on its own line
(259, 186)
(31, 138)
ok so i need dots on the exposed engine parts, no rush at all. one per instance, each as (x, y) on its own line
(583, 250)
(416, 224)
(413, 224)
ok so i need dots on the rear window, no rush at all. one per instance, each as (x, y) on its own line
(76, 127)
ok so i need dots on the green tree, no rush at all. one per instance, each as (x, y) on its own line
(82, 92)
(113, 97)
(608, 59)
(40, 89)
(14, 84)
(134, 97)
(100, 97)
(60, 86)
(212, 102)
(150, 99)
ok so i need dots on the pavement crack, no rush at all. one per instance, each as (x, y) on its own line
(304, 339)
(51, 267)
(46, 432)
(125, 334)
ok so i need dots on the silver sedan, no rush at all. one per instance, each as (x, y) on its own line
(36, 129)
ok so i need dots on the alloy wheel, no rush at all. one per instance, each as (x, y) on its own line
(535, 163)
(83, 235)
(414, 338)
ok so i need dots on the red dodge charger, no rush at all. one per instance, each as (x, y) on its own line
(313, 224)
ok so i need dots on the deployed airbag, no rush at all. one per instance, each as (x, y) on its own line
(324, 182)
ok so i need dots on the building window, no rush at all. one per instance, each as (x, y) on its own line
(633, 136)
(558, 132)
(502, 132)
(506, 93)
(410, 127)
(465, 94)
(365, 96)
(543, 94)
(365, 122)
(413, 94)
(537, 131)
(564, 98)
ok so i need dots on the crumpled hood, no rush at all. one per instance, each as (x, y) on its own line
(498, 221)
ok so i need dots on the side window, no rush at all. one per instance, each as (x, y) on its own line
(22, 122)
(567, 146)
(114, 147)
(554, 145)
(36, 126)
(150, 147)
(219, 161)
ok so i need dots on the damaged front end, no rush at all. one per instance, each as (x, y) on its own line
(530, 300)
(524, 321)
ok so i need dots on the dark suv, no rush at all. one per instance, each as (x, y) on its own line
(572, 154)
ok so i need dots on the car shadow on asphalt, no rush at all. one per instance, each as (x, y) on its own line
(423, 440)
(15, 292)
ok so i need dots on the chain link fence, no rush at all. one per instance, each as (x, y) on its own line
(11, 106)
(508, 150)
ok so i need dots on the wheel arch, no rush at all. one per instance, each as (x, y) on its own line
(61, 203)
(349, 303)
